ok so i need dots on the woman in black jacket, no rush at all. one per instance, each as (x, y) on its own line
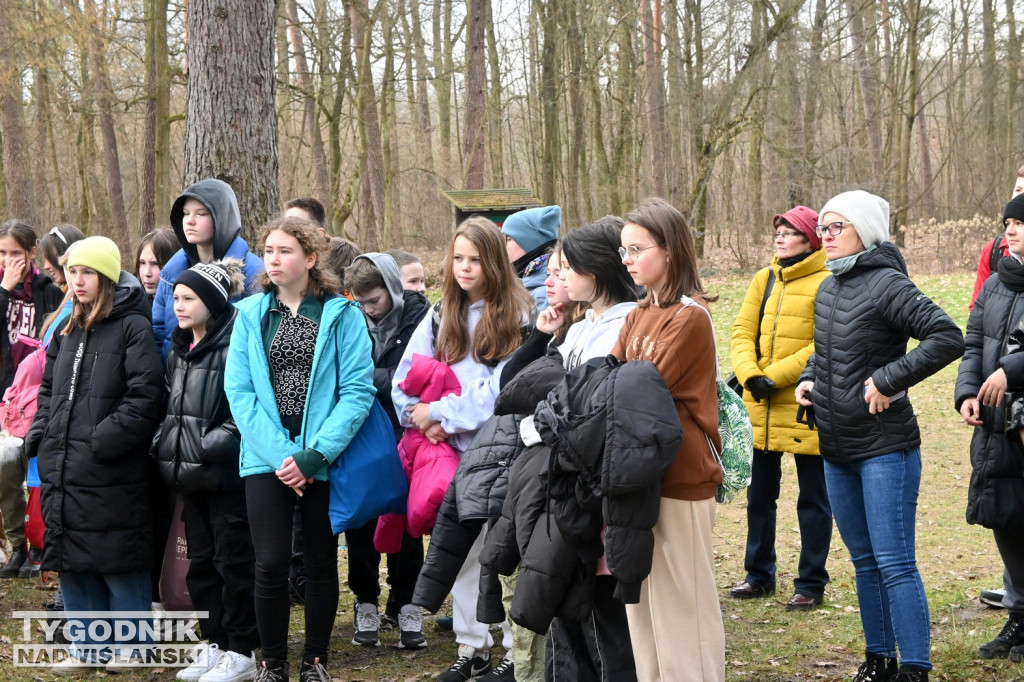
(995, 498)
(198, 450)
(99, 405)
(857, 381)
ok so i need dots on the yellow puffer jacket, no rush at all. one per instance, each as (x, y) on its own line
(786, 340)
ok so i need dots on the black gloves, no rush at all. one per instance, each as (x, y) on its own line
(760, 387)
(805, 415)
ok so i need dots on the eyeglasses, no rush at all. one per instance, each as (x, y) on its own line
(633, 252)
(835, 229)
(787, 235)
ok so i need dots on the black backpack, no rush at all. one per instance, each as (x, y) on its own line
(997, 253)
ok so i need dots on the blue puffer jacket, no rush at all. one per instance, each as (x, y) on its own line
(219, 198)
(340, 388)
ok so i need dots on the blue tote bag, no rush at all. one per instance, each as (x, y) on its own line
(367, 479)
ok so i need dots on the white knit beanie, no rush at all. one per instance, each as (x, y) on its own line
(868, 213)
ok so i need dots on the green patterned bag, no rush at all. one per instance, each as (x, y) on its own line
(734, 429)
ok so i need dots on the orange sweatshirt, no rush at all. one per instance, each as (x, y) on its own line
(680, 342)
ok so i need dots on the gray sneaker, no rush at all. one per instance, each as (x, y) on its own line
(367, 625)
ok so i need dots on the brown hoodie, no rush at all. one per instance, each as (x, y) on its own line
(679, 341)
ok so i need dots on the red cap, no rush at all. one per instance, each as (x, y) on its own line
(803, 219)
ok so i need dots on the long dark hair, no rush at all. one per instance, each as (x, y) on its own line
(164, 244)
(54, 243)
(672, 233)
(593, 250)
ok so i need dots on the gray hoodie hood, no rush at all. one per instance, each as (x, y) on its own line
(382, 331)
(219, 198)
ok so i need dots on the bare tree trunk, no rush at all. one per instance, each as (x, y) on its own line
(655, 95)
(576, 119)
(17, 169)
(155, 157)
(372, 188)
(495, 144)
(422, 95)
(104, 106)
(442, 48)
(552, 154)
(231, 120)
(867, 89)
(476, 95)
(310, 118)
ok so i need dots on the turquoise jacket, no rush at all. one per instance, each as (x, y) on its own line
(339, 396)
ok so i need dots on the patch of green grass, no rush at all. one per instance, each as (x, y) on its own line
(765, 643)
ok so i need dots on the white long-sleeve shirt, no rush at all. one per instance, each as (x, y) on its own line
(460, 415)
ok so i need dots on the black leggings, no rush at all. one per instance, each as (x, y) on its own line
(271, 504)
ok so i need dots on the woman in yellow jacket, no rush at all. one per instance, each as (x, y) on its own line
(771, 341)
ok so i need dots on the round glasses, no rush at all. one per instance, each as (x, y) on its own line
(633, 252)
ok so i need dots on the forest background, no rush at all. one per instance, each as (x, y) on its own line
(731, 109)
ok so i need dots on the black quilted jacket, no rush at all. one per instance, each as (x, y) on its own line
(198, 444)
(995, 497)
(477, 492)
(862, 321)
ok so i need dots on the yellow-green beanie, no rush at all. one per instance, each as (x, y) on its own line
(100, 254)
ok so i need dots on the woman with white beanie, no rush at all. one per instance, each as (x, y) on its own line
(856, 385)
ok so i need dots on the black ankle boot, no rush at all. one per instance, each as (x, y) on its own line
(876, 668)
(18, 558)
(911, 673)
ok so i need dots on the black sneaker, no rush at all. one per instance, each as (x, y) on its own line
(503, 672)
(30, 569)
(410, 625)
(367, 625)
(13, 566)
(270, 670)
(1011, 635)
(388, 620)
(993, 598)
(297, 589)
(467, 666)
(911, 673)
(313, 671)
(876, 669)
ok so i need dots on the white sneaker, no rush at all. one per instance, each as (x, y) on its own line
(204, 657)
(72, 666)
(232, 667)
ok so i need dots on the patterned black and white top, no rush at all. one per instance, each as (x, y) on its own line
(291, 362)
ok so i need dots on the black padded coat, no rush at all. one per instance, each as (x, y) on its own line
(995, 497)
(198, 444)
(863, 319)
(477, 492)
(100, 402)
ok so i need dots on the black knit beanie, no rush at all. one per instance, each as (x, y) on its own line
(211, 282)
(1015, 209)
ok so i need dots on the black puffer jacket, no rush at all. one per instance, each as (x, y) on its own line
(198, 444)
(478, 490)
(862, 321)
(995, 498)
(610, 433)
(99, 404)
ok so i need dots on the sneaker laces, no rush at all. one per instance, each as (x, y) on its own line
(313, 672)
(871, 670)
(504, 665)
(267, 674)
(227, 660)
(460, 662)
(367, 620)
(410, 620)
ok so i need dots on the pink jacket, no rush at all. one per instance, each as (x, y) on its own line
(429, 467)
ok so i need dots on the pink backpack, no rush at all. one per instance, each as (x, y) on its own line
(19, 406)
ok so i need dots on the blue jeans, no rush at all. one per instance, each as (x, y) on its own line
(812, 512)
(87, 592)
(875, 505)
